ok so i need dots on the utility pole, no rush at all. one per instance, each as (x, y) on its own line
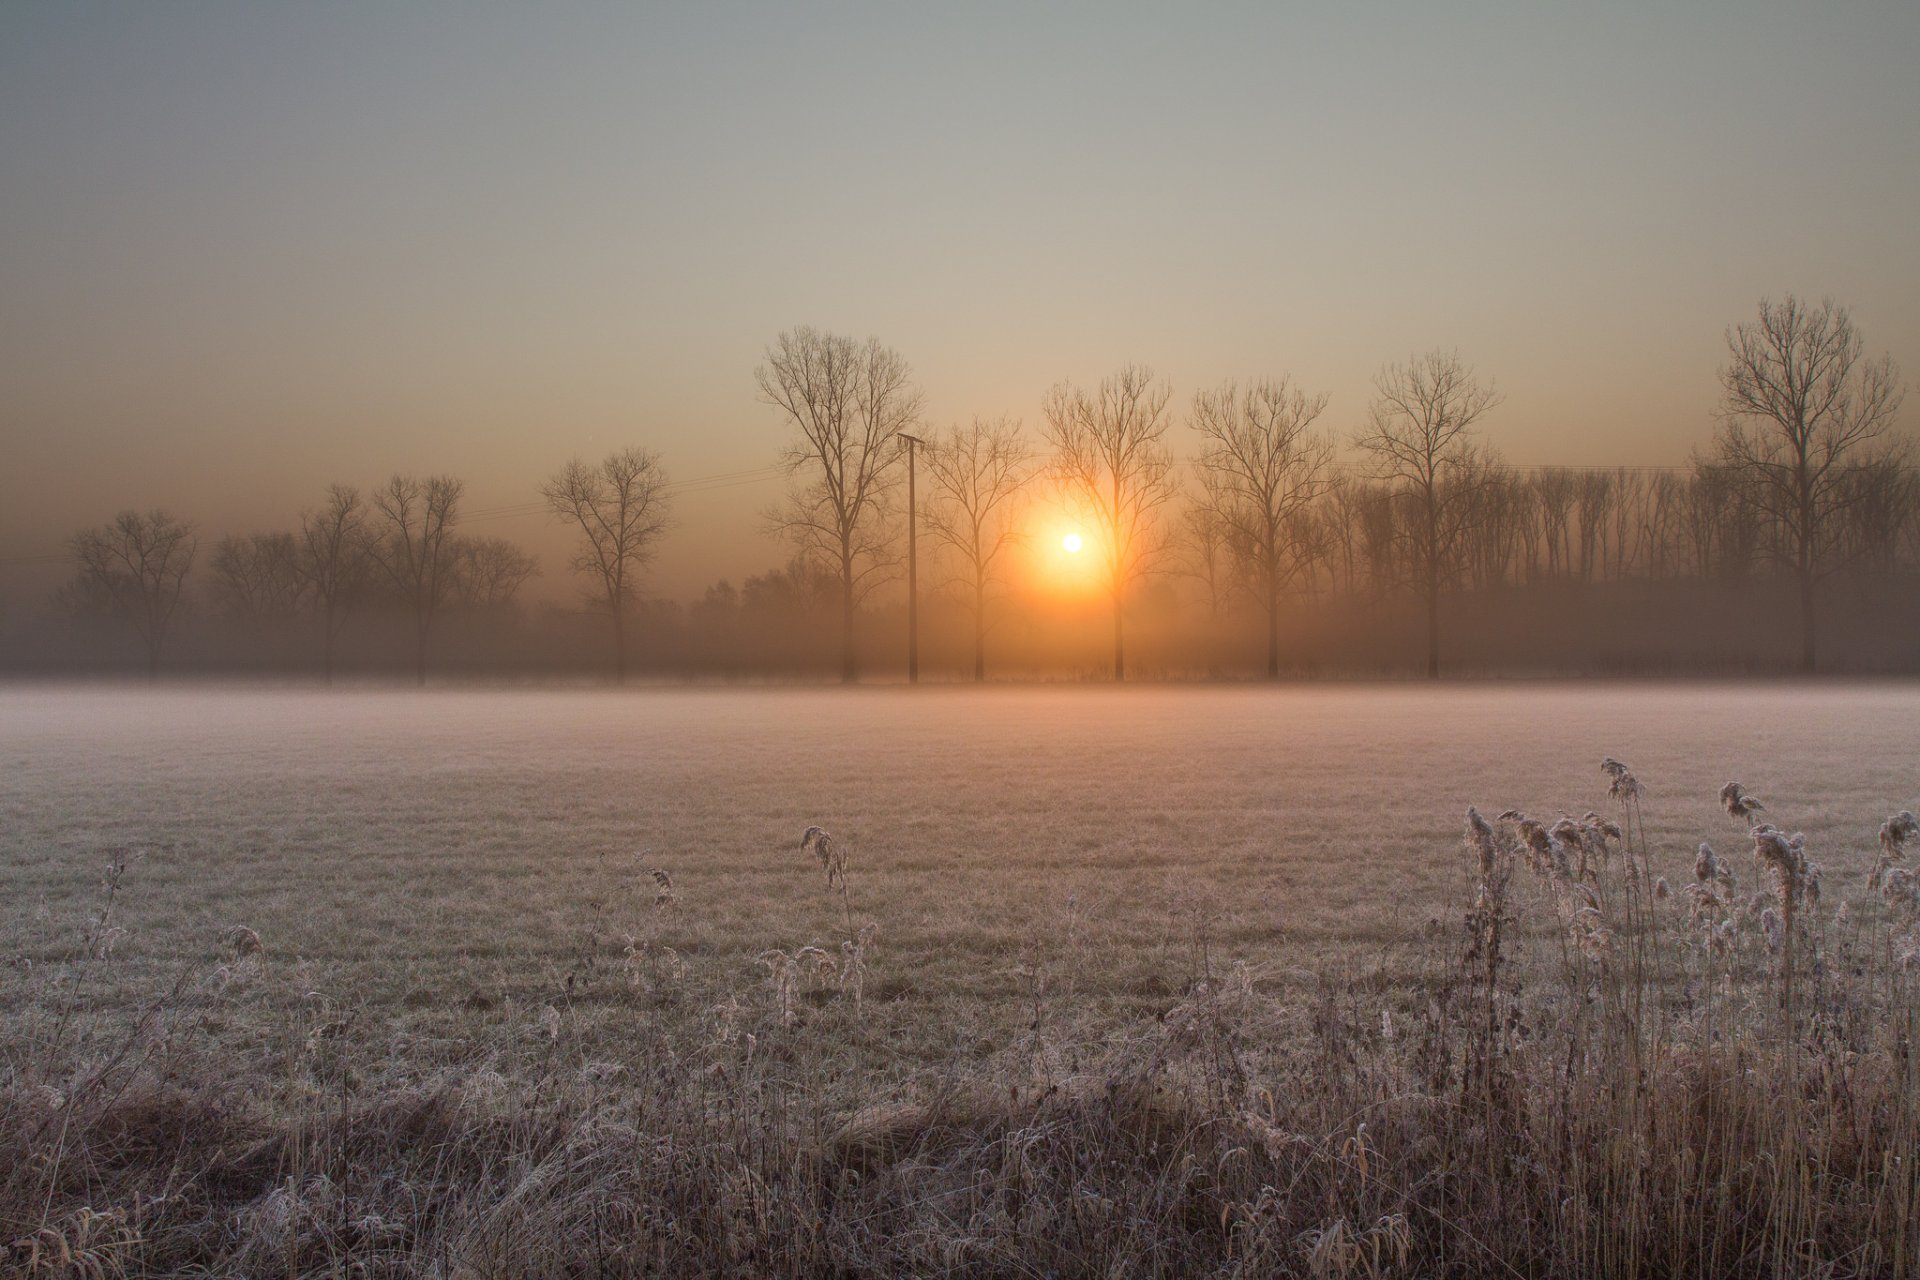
(913, 566)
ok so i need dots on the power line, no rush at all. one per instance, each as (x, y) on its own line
(696, 484)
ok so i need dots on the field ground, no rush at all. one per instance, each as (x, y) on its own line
(449, 884)
(411, 851)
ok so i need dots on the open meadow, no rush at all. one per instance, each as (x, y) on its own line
(1112, 981)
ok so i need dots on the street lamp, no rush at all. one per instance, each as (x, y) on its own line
(913, 566)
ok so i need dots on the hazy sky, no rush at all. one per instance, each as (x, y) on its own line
(249, 249)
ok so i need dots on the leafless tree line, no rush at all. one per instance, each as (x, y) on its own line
(1805, 476)
(397, 545)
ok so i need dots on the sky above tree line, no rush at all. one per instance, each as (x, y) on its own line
(249, 250)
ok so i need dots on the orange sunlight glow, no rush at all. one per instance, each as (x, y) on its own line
(1071, 544)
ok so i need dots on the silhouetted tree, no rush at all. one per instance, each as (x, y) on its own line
(620, 506)
(1204, 546)
(1801, 406)
(257, 576)
(848, 402)
(1266, 468)
(489, 572)
(335, 555)
(1418, 435)
(138, 566)
(417, 550)
(1109, 453)
(977, 473)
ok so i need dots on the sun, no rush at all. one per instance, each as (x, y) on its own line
(1071, 544)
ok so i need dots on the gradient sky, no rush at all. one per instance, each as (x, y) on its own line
(249, 249)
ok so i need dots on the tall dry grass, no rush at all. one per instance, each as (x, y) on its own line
(1593, 1074)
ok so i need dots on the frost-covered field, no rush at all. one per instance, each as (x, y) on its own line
(1155, 981)
(414, 847)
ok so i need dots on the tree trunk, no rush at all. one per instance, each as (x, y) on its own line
(420, 655)
(1433, 631)
(619, 644)
(1806, 620)
(847, 673)
(326, 651)
(980, 631)
(1273, 630)
(1119, 587)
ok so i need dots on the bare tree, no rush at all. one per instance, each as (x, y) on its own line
(258, 576)
(1418, 434)
(1349, 499)
(138, 565)
(977, 473)
(417, 548)
(849, 402)
(336, 551)
(1800, 407)
(620, 506)
(1205, 549)
(1110, 455)
(489, 572)
(1266, 468)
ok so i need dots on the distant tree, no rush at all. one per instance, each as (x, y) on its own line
(1801, 407)
(258, 576)
(138, 565)
(977, 473)
(1884, 504)
(1351, 502)
(620, 506)
(416, 548)
(799, 589)
(1721, 532)
(1266, 468)
(489, 572)
(1419, 437)
(335, 555)
(1205, 548)
(849, 402)
(1110, 454)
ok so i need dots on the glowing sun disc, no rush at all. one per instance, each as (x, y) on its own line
(1071, 543)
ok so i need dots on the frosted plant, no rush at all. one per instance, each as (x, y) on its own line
(661, 960)
(853, 962)
(1894, 834)
(1625, 787)
(663, 895)
(1710, 899)
(1796, 884)
(1739, 805)
(833, 860)
(1546, 855)
(1796, 880)
(1480, 840)
(817, 965)
(1489, 914)
(782, 973)
(1775, 931)
(1900, 889)
(726, 1020)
